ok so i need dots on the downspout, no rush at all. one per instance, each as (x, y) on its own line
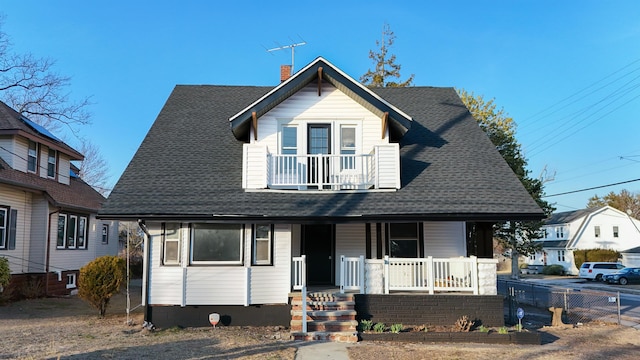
(145, 271)
(46, 261)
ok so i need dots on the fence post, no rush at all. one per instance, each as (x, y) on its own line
(618, 301)
(474, 276)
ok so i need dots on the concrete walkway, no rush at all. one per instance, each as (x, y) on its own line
(317, 350)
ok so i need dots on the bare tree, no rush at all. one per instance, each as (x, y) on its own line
(31, 86)
(94, 169)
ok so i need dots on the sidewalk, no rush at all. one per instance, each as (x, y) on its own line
(317, 350)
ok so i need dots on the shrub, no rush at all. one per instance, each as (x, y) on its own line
(463, 324)
(553, 270)
(366, 325)
(5, 272)
(396, 328)
(523, 266)
(483, 329)
(379, 327)
(100, 279)
(503, 330)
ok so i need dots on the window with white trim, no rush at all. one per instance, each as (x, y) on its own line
(616, 232)
(561, 255)
(171, 244)
(289, 140)
(105, 234)
(596, 230)
(262, 244)
(4, 222)
(559, 232)
(218, 244)
(32, 157)
(51, 164)
(72, 231)
(347, 147)
(71, 281)
(403, 240)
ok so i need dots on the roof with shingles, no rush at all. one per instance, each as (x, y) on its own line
(11, 123)
(189, 166)
(566, 217)
(78, 195)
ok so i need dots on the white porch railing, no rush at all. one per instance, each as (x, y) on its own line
(401, 274)
(351, 273)
(321, 171)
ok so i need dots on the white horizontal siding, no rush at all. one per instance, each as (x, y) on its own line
(254, 175)
(212, 285)
(21, 201)
(388, 166)
(271, 284)
(444, 239)
(350, 241)
(73, 259)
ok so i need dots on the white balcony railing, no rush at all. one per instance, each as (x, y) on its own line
(321, 171)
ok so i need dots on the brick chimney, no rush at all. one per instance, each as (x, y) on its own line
(285, 72)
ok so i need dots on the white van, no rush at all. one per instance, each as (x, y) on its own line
(595, 270)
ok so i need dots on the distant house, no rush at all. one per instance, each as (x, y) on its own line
(631, 257)
(593, 228)
(249, 193)
(48, 226)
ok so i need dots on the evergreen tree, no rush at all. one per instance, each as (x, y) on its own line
(385, 64)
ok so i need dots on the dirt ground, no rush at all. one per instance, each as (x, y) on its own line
(67, 328)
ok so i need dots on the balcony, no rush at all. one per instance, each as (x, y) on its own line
(378, 169)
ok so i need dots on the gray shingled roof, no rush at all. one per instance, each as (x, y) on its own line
(566, 217)
(190, 166)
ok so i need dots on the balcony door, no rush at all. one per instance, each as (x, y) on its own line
(319, 143)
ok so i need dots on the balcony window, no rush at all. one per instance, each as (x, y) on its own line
(289, 140)
(348, 147)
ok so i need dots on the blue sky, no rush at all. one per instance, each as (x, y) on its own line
(567, 71)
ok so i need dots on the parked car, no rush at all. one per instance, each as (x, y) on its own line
(623, 277)
(595, 270)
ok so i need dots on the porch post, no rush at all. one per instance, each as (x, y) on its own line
(342, 274)
(386, 274)
(474, 275)
(361, 273)
(432, 275)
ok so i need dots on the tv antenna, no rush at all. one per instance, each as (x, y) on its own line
(291, 46)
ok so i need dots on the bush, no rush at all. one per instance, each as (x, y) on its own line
(553, 270)
(396, 328)
(523, 266)
(604, 255)
(101, 279)
(379, 327)
(5, 272)
(366, 325)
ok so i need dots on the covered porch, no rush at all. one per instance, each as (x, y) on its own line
(463, 275)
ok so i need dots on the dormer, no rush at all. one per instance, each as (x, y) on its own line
(30, 148)
(320, 130)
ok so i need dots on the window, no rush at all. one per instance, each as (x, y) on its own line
(403, 240)
(560, 255)
(72, 231)
(347, 147)
(546, 233)
(105, 234)
(3, 227)
(262, 240)
(216, 244)
(615, 232)
(289, 140)
(596, 229)
(71, 281)
(171, 244)
(559, 232)
(32, 161)
(51, 163)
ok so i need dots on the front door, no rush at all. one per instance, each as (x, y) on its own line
(317, 245)
(319, 142)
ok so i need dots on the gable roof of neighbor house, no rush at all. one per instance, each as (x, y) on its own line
(566, 217)
(189, 166)
(12, 123)
(635, 250)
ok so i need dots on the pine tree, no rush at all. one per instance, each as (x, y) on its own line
(385, 64)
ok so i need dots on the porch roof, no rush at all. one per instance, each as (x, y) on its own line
(189, 166)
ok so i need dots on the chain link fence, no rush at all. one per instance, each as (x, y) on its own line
(580, 306)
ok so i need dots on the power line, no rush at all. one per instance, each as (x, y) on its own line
(592, 188)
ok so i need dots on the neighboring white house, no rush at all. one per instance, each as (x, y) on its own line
(593, 228)
(48, 225)
(631, 257)
(248, 193)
